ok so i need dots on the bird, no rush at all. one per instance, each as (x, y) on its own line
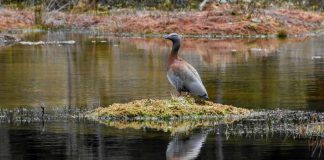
(183, 76)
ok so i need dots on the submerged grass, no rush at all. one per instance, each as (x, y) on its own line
(311, 129)
(176, 126)
(168, 109)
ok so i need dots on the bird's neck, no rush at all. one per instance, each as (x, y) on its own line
(175, 47)
(171, 59)
(174, 53)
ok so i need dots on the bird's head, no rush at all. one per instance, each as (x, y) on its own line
(173, 37)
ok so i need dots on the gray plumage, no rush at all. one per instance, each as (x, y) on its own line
(181, 74)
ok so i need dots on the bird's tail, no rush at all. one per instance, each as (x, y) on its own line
(205, 97)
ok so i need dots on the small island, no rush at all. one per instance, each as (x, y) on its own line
(177, 114)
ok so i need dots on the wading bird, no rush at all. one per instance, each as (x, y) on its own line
(181, 74)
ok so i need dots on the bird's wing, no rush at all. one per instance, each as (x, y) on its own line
(183, 76)
(193, 71)
(175, 80)
(195, 85)
(196, 88)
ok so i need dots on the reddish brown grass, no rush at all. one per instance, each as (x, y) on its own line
(218, 22)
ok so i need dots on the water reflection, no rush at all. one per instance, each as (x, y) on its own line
(315, 87)
(185, 147)
(88, 140)
(97, 71)
(188, 147)
(316, 146)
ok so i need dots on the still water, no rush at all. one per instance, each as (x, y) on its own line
(99, 70)
(245, 139)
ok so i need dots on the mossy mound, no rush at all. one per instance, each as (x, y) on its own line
(173, 115)
(168, 109)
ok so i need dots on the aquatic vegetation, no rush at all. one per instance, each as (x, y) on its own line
(174, 108)
(270, 123)
(36, 115)
(175, 115)
(312, 129)
(173, 126)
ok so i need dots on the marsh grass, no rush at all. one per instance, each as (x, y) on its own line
(311, 129)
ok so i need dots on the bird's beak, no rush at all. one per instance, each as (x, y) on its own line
(166, 36)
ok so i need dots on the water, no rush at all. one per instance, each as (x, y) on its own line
(99, 70)
(255, 73)
(90, 140)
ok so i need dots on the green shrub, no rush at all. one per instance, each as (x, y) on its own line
(282, 34)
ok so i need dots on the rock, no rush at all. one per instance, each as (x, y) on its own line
(47, 43)
(322, 23)
(316, 57)
(256, 20)
(223, 1)
(56, 19)
(233, 50)
(7, 39)
(207, 5)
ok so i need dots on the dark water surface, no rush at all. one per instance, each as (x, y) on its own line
(101, 70)
(90, 140)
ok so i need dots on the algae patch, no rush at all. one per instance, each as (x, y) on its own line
(168, 109)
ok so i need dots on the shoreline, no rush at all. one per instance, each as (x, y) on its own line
(18, 33)
(215, 24)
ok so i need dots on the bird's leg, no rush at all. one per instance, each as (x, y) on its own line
(188, 94)
(179, 94)
(198, 100)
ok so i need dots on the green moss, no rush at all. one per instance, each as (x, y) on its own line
(167, 5)
(249, 16)
(234, 13)
(282, 34)
(47, 27)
